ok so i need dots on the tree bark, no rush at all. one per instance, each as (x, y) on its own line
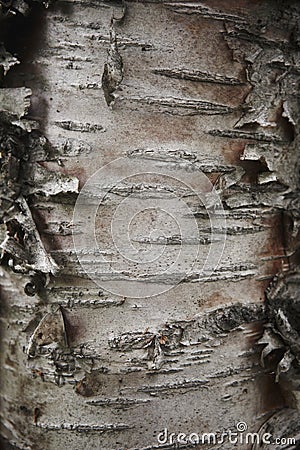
(150, 223)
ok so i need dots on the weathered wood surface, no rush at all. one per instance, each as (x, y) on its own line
(184, 87)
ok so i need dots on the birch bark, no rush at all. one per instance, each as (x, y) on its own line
(193, 97)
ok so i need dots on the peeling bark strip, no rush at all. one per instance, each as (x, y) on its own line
(113, 68)
(205, 86)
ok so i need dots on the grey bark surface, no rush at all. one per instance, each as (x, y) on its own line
(190, 87)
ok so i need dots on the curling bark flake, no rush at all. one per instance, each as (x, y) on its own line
(211, 86)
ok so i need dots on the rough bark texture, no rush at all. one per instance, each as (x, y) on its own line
(185, 87)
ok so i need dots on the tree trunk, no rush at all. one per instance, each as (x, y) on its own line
(149, 189)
